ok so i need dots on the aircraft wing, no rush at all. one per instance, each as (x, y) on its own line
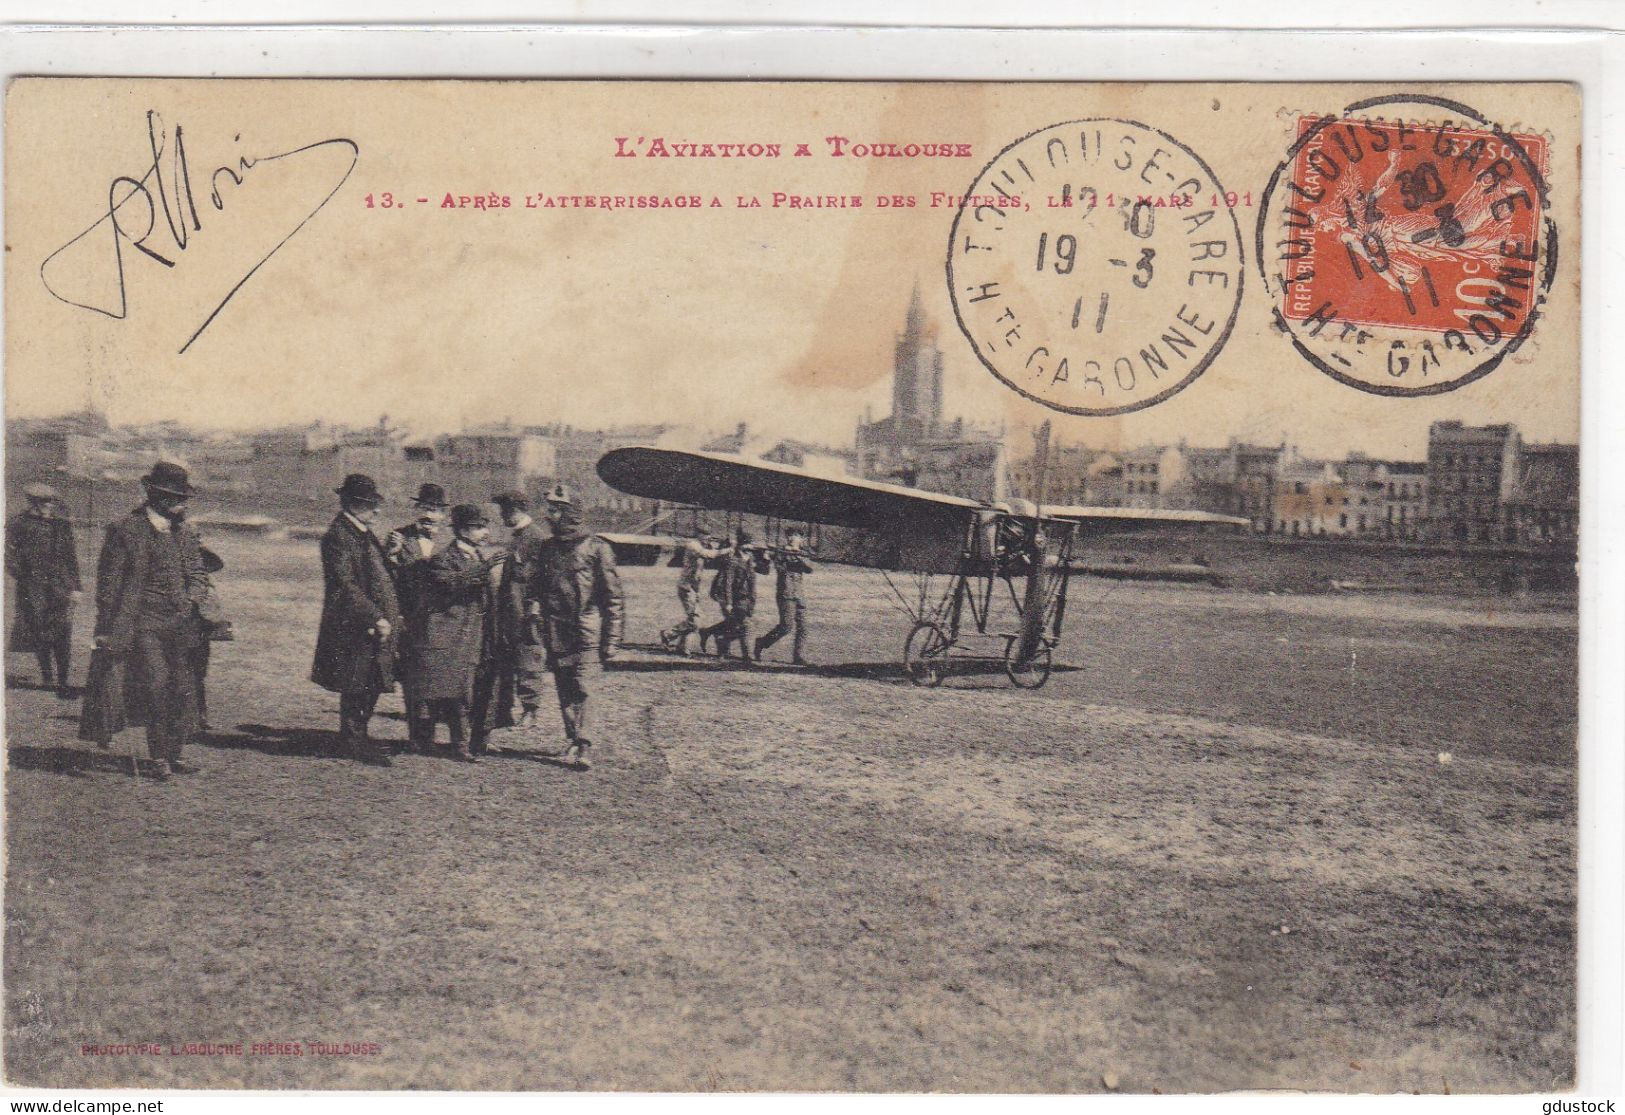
(639, 549)
(1143, 518)
(724, 482)
(911, 529)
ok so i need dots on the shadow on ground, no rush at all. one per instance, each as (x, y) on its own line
(298, 742)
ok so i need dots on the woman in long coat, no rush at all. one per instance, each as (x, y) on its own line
(453, 631)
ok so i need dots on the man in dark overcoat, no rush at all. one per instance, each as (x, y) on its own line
(149, 580)
(409, 548)
(519, 663)
(42, 559)
(361, 617)
(454, 631)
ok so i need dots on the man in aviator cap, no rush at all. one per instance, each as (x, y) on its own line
(409, 549)
(149, 578)
(42, 559)
(578, 593)
(361, 617)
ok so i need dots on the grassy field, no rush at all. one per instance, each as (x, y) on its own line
(1220, 850)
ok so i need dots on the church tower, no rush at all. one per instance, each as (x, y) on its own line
(917, 374)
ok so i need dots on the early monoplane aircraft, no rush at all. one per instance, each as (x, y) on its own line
(983, 549)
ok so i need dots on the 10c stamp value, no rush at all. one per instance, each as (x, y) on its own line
(1405, 257)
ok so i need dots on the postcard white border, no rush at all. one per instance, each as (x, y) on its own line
(1027, 47)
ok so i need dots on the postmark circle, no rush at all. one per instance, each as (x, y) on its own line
(1405, 243)
(1096, 266)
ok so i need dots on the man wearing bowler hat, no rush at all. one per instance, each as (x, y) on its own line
(409, 549)
(361, 617)
(42, 559)
(149, 578)
(453, 634)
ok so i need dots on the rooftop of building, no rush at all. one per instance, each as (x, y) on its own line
(1452, 429)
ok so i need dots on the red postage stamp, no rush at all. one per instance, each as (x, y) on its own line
(1407, 243)
(1412, 227)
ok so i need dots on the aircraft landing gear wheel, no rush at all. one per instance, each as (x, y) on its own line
(925, 655)
(1029, 675)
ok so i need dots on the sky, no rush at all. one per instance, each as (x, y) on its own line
(444, 316)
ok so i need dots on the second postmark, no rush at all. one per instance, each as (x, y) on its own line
(1096, 266)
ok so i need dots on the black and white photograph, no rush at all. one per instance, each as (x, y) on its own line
(847, 586)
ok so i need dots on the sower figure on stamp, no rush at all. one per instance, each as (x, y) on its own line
(789, 566)
(451, 667)
(519, 641)
(734, 590)
(43, 561)
(149, 580)
(361, 617)
(579, 595)
(694, 553)
(408, 549)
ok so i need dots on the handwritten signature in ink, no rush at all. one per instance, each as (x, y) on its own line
(134, 206)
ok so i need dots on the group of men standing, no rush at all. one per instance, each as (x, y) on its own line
(467, 628)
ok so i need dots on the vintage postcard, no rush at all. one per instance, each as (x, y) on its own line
(767, 586)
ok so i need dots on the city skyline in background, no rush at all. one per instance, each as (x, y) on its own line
(1478, 483)
(795, 401)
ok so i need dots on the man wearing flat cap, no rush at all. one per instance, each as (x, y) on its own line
(519, 650)
(453, 634)
(409, 549)
(578, 593)
(42, 559)
(361, 617)
(149, 579)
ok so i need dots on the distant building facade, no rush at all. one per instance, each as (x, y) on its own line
(1076, 476)
(1311, 500)
(1254, 470)
(1148, 471)
(475, 464)
(1545, 506)
(1365, 485)
(1235, 479)
(304, 464)
(1404, 506)
(1472, 474)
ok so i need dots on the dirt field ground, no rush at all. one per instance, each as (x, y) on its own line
(1220, 850)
